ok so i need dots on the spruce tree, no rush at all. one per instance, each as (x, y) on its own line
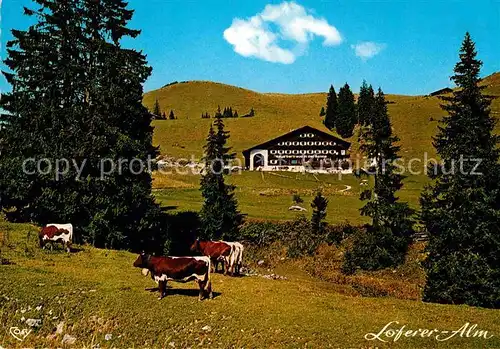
(171, 116)
(366, 103)
(387, 237)
(461, 208)
(319, 206)
(77, 97)
(219, 215)
(331, 109)
(322, 112)
(218, 113)
(346, 112)
(156, 108)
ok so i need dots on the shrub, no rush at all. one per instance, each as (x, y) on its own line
(367, 254)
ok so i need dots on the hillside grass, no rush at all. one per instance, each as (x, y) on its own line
(96, 292)
(414, 118)
(268, 195)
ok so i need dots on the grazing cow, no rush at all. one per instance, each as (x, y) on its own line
(53, 233)
(215, 250)
(179, 269)
(235, 259)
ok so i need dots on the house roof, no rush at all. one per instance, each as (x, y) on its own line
(298, 131)
(441, 91)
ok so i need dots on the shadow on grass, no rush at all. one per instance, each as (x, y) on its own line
(181, 291)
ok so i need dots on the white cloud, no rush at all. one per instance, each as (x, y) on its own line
(368, 49)
(253, 37)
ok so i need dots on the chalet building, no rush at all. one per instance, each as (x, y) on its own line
(303, 149)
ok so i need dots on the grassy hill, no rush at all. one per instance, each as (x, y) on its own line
(99, 299)
(415, 118)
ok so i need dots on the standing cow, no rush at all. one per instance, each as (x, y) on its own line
(53, 233)
(215, 250)
(179, 269)
(235, 259)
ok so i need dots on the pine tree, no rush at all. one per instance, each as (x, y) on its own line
(236, 114)
(156, 108)
(461, 209)
(77, 96)
(322, 112)
(164, 116)
(319, 206)
(171, 116)
(387, 237)
(346, 112)
(219, 215)
(366, 103)
(331, 109)
(218, 113)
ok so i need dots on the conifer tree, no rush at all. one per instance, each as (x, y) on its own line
(366, 103)
(156, 108)
(171, 116)
(219, 215)
(322, 112)
(77, 96)
(387, 237)
(319, 206)
(346, 112)
(164, 116)
(461, 208)
(218, 113)
(331, 109)
(236, 114)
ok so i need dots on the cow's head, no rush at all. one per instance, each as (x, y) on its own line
(195, 247)
(142, 261)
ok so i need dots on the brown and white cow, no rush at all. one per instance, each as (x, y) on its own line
(235, 259)
(53, 233)
(179, 269)
(215, 250)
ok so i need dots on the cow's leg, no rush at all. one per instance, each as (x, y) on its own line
(213, 264)
(209, 290)
(201, 285)
(162, 285)
(226, 266)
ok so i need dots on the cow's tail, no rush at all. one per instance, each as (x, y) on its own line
(208, 285)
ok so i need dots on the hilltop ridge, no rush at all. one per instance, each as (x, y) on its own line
(414, 118)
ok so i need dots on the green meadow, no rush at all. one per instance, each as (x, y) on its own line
(96, 298)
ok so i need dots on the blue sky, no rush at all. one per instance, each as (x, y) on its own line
(406, 47)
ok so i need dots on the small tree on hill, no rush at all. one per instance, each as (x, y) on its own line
(366, 103)
(218, 113)
(331, 109)
(322, 112)
(171, 116)
(461, 209)
(346, 112)
(387, 237)
(319, 206)
(156, 108)
(164, 116)
(235, 114)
